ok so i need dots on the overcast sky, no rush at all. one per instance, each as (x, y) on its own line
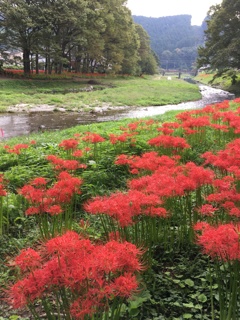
(161, 8)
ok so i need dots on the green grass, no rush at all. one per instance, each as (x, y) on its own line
(223, 82)
(113, 91)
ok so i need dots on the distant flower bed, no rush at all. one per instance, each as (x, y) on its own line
(53, 75)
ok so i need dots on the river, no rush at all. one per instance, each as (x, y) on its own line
(17, 124)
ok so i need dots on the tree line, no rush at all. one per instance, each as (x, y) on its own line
(89, 36)
(221, 50)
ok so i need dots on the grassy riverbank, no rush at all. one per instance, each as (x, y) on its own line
(83, 94)
(223, 82)
(161, 183)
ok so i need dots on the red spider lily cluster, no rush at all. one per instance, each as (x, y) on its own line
(64, 74)
(166, 141)
(50, 200)
(69, 144)
(17, 148)
(90, 274)
(220, 242)
(2, 186)
(148, 193)
(125, 207)
(92, 138)
(64, 164)
(165, 188)
(121, 138)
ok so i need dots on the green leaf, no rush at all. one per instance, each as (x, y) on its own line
(134, 312)
(187, 316)
(176, 280)
(189, 282)
(202, 298)
(188, 305)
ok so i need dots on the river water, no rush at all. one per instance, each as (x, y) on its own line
(17, 124)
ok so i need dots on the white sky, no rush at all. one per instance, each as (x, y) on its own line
(161, 8)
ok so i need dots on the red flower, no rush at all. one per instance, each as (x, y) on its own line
(93, 138)
(169, 142)
(78, 153)
(207, 210)
(28, 259)
(123, 286)
(94, 273)
(69, 144)
(61, 164)
(54, 210)
(16, 149)
(124, 207)
(221, 242)
(2, 190)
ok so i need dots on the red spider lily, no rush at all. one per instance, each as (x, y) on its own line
(139, 125)
(193, 123)
(220, 127)
(49, 200)
(228, 159)
(221, 242)
(28, 259)
(149, 161)
(133, 126)
(93, 138)
(62, 164)
(166, 131)
(207, 210)
(119, 138)
(173, 181)
(54, 210)
(69, 144)
(39, 182)
(124, 207)
(169, 142)
(168, 126)
(201, 226)
(2, 190)
(17, 148)
(64, 189)
(91, 274)
(237, 100)
(78, 153)
(123, 286)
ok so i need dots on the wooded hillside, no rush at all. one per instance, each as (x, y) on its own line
(173, 39)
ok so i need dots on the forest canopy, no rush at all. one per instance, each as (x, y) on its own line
(174, 39)
(89, 36)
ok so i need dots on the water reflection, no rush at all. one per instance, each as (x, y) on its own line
(14, 124)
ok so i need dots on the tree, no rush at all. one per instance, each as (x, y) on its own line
(120, 40)
(19, 22)
(222, 46)
(148, 61)
(96, 33)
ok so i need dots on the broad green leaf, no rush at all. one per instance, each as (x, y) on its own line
(202, 298)
(189, 282)
(188, 305)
